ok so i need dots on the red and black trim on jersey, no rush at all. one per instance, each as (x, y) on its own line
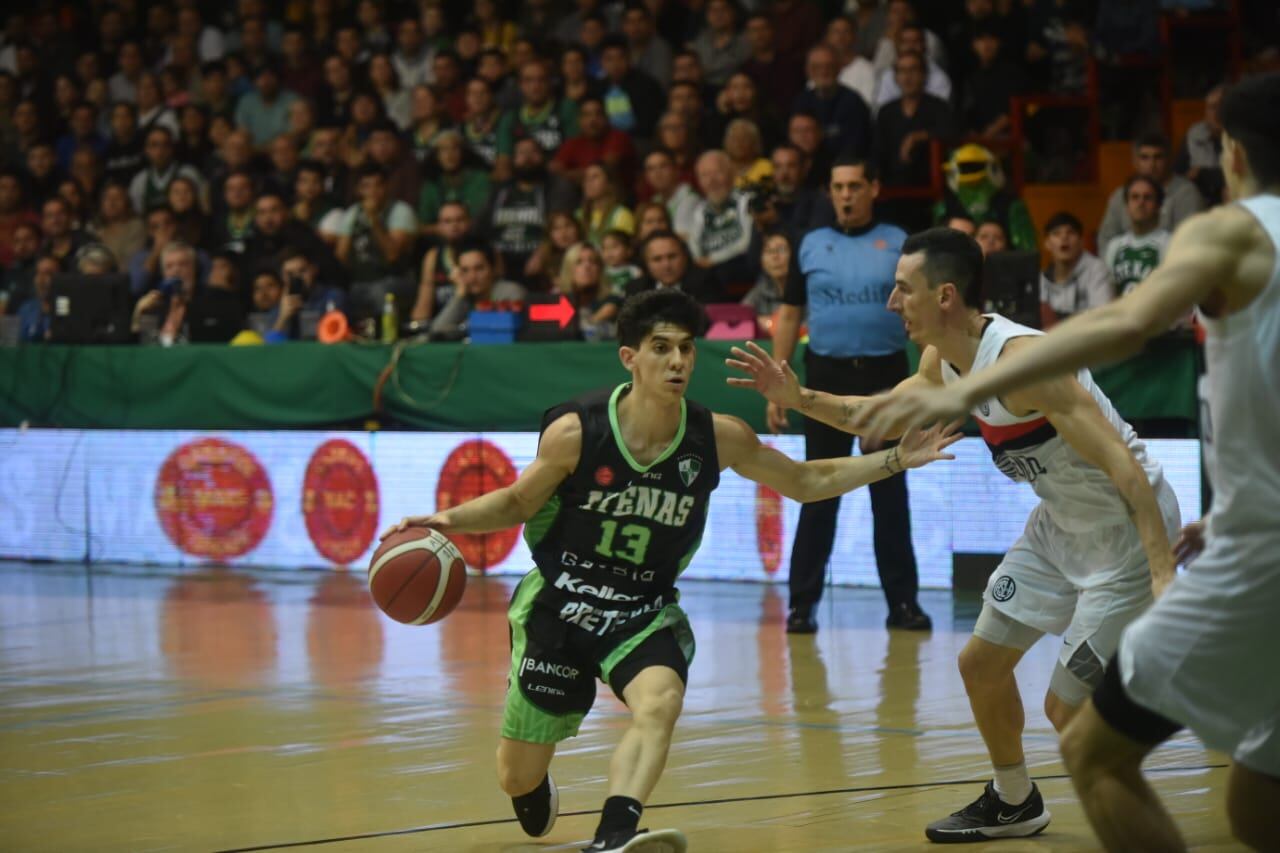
(1016, 436)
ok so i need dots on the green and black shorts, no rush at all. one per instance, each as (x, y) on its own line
(554, 665)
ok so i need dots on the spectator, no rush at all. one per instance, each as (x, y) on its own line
(1132, 256)
(298, 70)
(720, 239)
(275, 232)
(86, 169)
(766, 296)
(841, 112)
(193, 146)
(720, 47)
(495, 31)
(981, 16)
(911, 40)
(25, 133)
(282, 160)
(235, 154)
(118, 227)
(413, 54)
(991, 237)
(596, 143)
(95, 259)
(215, 90)
(615, 250)
(311, 202)
(576, 81)
(906, 127)
(123, 85)
(480, 128)
(744, 146)
(1199, 159)
(451, 83)
(184, 199)
(779, 78)
(375, 238)
(984, 105)
(651, 217)
(796, 208)
(61, 239)
(542, 117)
(740, 100)
(602, 208)
(82, 131)
(150, 186)
(1058, 46)
(19, 274)
(144, 264)
(513, 218)
(685, 102)
(963, 224)
(428, 123)
(35, 314)
(804, 133)
(13, 212)
(70, 191)
(209, 42)
(582, 280)
(365, 114)
(477, 283)
(647, 51)
(123, 157)
(304, 291)
(326, 153)
(1075, 279)
(334, 100)
(568, 29)
(176, 298)
(856, 71)
(453, 182)
(1181, 198)
(384, 149)
(665, 187)
(797, 26)
(898, 16)
(234, 223)
(386, 84)
(435, 286)
(564, 229)
(667, 264)
(152, 110)
(633, 100)
(43, 175)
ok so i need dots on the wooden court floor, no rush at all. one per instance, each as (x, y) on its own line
(216, 710)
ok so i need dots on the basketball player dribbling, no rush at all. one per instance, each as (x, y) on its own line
(1094, 550)
(614, 507)
(1204, 656)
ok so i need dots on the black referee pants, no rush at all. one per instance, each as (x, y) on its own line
(891, 517)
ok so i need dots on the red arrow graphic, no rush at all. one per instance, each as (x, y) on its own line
(561, 312)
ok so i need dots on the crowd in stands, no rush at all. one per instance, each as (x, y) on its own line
(274, 160)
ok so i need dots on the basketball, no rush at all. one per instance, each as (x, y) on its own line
(417, 576)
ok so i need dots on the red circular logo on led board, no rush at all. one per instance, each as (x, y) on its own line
(340, 501)
(475, 468)
(769, 527)
(213, 499)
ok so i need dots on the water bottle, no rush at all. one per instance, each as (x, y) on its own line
(390, 328)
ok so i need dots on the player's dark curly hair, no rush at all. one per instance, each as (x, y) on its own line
(642, 312)
(1251, 116)
(950, 256)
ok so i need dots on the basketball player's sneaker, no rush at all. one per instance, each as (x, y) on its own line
(990, 817)
(640, 841)
(537, 810)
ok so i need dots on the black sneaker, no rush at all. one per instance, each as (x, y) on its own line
(990, 817)
(640, 841)
(909, 617)
(800, 621)
(537, 810)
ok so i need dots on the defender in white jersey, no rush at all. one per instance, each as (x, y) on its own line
(1093, 549)
(1205, 655)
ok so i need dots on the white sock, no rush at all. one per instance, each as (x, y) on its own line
(1013, 783)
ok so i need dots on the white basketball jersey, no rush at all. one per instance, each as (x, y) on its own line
(1078, 496)
(1240, 404)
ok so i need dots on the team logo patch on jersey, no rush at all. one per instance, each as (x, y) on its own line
(1004, 588)
(604, 476)
(689, 466)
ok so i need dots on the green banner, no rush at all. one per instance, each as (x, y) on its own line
(431, 386)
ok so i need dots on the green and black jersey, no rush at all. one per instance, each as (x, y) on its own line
(613, 539)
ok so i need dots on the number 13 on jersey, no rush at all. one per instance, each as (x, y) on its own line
(632, 545)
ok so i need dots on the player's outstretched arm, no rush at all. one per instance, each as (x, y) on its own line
(1076, 416)
(558, 453)
(740, 448)
(1220, 250)
(778, 383)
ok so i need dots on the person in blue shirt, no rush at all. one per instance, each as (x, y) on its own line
(36, 313)
(843, 274)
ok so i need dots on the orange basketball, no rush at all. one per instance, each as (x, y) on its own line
(417, 576)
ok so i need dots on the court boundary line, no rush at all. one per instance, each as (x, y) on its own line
(864, 789)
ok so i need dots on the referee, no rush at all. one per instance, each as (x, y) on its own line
(856, 346)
